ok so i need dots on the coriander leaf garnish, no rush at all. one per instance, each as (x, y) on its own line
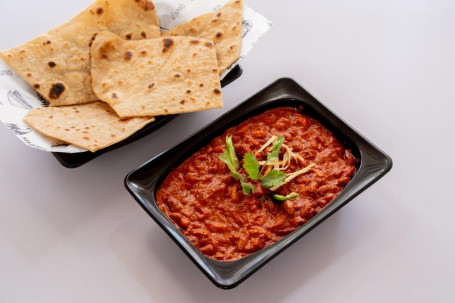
(284, 198)
(225, 157)
(273, 155)
(231, 151)
(230, 159)
(273, 178)
(251, 166)
(247, 187)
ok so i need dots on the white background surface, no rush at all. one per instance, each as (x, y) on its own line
(386, 67)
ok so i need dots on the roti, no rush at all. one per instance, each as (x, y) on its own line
(155, 76)
(224, 27)
(57, 64)
(91, 126)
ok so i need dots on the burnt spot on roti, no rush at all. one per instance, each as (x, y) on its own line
(194, 41)
(177, 75)
(208, 44)
(143, 52)
(51, 64)
(92, 39)
(36, 86)
(146, 5)
(214, 70)
(217, 91)
(144, 35)
(99, 10)
(219, 34)
(56, 90)
(201, 85)
(128, 55)
(105, 49)
(114, 96)
(215, 20)
(188, 91)
(29, 74)
(151, 85)
(128, 36)
(218, 15)
(167, 43)
(182, 101)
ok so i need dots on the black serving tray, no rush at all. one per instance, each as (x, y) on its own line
(144, 181)
(77, 159)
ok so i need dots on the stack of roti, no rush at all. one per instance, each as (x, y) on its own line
(109, 70)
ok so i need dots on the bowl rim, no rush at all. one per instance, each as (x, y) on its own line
(373, 165)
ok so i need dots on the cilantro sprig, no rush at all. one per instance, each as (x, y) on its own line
(229, 157)
(271, 180)
(251, 166)
(273, 155)
(231, 152)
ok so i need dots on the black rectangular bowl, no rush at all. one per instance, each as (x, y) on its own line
(77, 159)
(144, 181)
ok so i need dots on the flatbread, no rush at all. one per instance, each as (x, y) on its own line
(91, 126)
(155, 76)
(57, 64)
(224, 27)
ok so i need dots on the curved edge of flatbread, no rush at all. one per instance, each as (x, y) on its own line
(91, 126)
(224, 27)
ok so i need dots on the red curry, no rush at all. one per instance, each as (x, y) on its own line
(209, 207)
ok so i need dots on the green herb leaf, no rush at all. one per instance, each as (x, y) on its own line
(273, 155)
(251, 166)
(231, 151)
(284, 198)
(247, 188)
(272, 178)
(225, 157)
